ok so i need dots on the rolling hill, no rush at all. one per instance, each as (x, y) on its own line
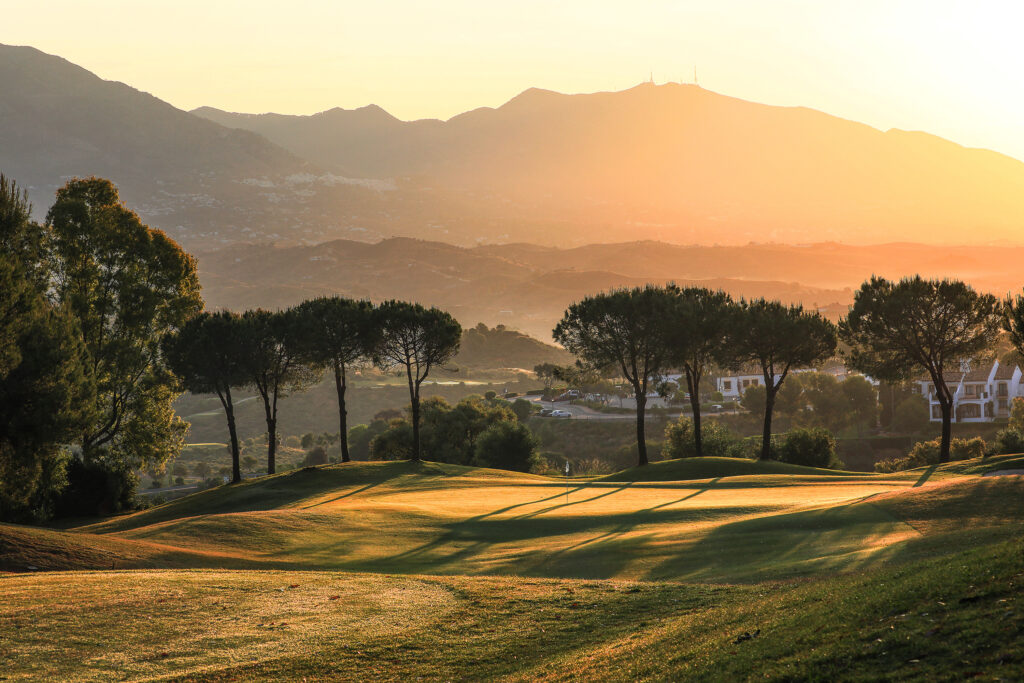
(387, 571)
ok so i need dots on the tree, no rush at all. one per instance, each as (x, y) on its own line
(754, 399)
(271, 357)
(775, 339)
(910, 416)
(546, 373)
(128, 286)
(625, 328)
(337, 333)
(507, 446)
(895, 328)
(861, 402)
(699, 323)
(46, 389)
(46, 394)
(416, 340)
(207, 354)
(522, 408)
(201, 470)
(248, 463)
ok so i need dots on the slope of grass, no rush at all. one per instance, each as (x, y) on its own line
(708, 468)
(942, 618)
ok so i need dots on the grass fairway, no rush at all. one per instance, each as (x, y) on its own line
(398, 570)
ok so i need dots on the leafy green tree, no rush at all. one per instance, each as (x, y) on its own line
(507, 446)
(22, 239)
(754, 399)
(897, 328)
(522, 408)
(546, 373)
(46, 388)
(46, 395)
(626, 329)
(207, 355)
(699, 323)
(717, 441)
(791, 399)
(416, 340)
(338, 333)
(272, 358)
(128, 286)
(861, 402)
(776, 338)
(911, 415)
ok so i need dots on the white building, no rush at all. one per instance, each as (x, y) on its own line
(979, 395)
(733, 387)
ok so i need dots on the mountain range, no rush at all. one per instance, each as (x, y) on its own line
(671, 162)
(529, 286)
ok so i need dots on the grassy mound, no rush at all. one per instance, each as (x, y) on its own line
(683, 469)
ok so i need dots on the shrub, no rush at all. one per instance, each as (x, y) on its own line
(316, 456)
(180, 481)
(926, 453)
(965, 449)
(522, 408)
(718, 441)
(97, 488)
(1008, 441)
(393, 444)
(815, 447)
(506, 446)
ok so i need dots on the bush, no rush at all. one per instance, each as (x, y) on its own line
(718, 441)
(180, 481)
(1008, 441)
(97, 488)
(926, 453)
(506, 446)
(815, 447)
(522, 408)
(316, 456)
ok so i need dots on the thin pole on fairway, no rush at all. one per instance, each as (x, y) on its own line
(567, 481)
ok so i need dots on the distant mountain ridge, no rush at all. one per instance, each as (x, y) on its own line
(674, 163)
(677, 163)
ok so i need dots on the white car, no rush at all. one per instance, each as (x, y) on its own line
(560, 413)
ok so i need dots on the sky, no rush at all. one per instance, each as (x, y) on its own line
(954, 69)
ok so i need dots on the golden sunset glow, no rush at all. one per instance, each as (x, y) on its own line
(955, 69)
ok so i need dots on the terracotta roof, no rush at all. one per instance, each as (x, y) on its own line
(1005, 371)
(978, 374)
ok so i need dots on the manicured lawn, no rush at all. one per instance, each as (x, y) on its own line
(404, 570)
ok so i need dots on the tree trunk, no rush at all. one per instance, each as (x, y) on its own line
(416, 426)
(766, 434)
(229, 410)
(271, 430)
(641, 438)
(339, 383)
(947, 428)
(271, 446)
(698, 438)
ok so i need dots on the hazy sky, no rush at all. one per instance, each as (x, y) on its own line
(955, 69)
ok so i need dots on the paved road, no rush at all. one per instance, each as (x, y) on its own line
(580, 412)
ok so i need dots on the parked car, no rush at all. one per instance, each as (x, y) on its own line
(560, 413)
(546, 412)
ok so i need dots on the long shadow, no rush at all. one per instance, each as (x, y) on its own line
(925, 476)
(481, 533)
(344, 495)
(537, 513)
